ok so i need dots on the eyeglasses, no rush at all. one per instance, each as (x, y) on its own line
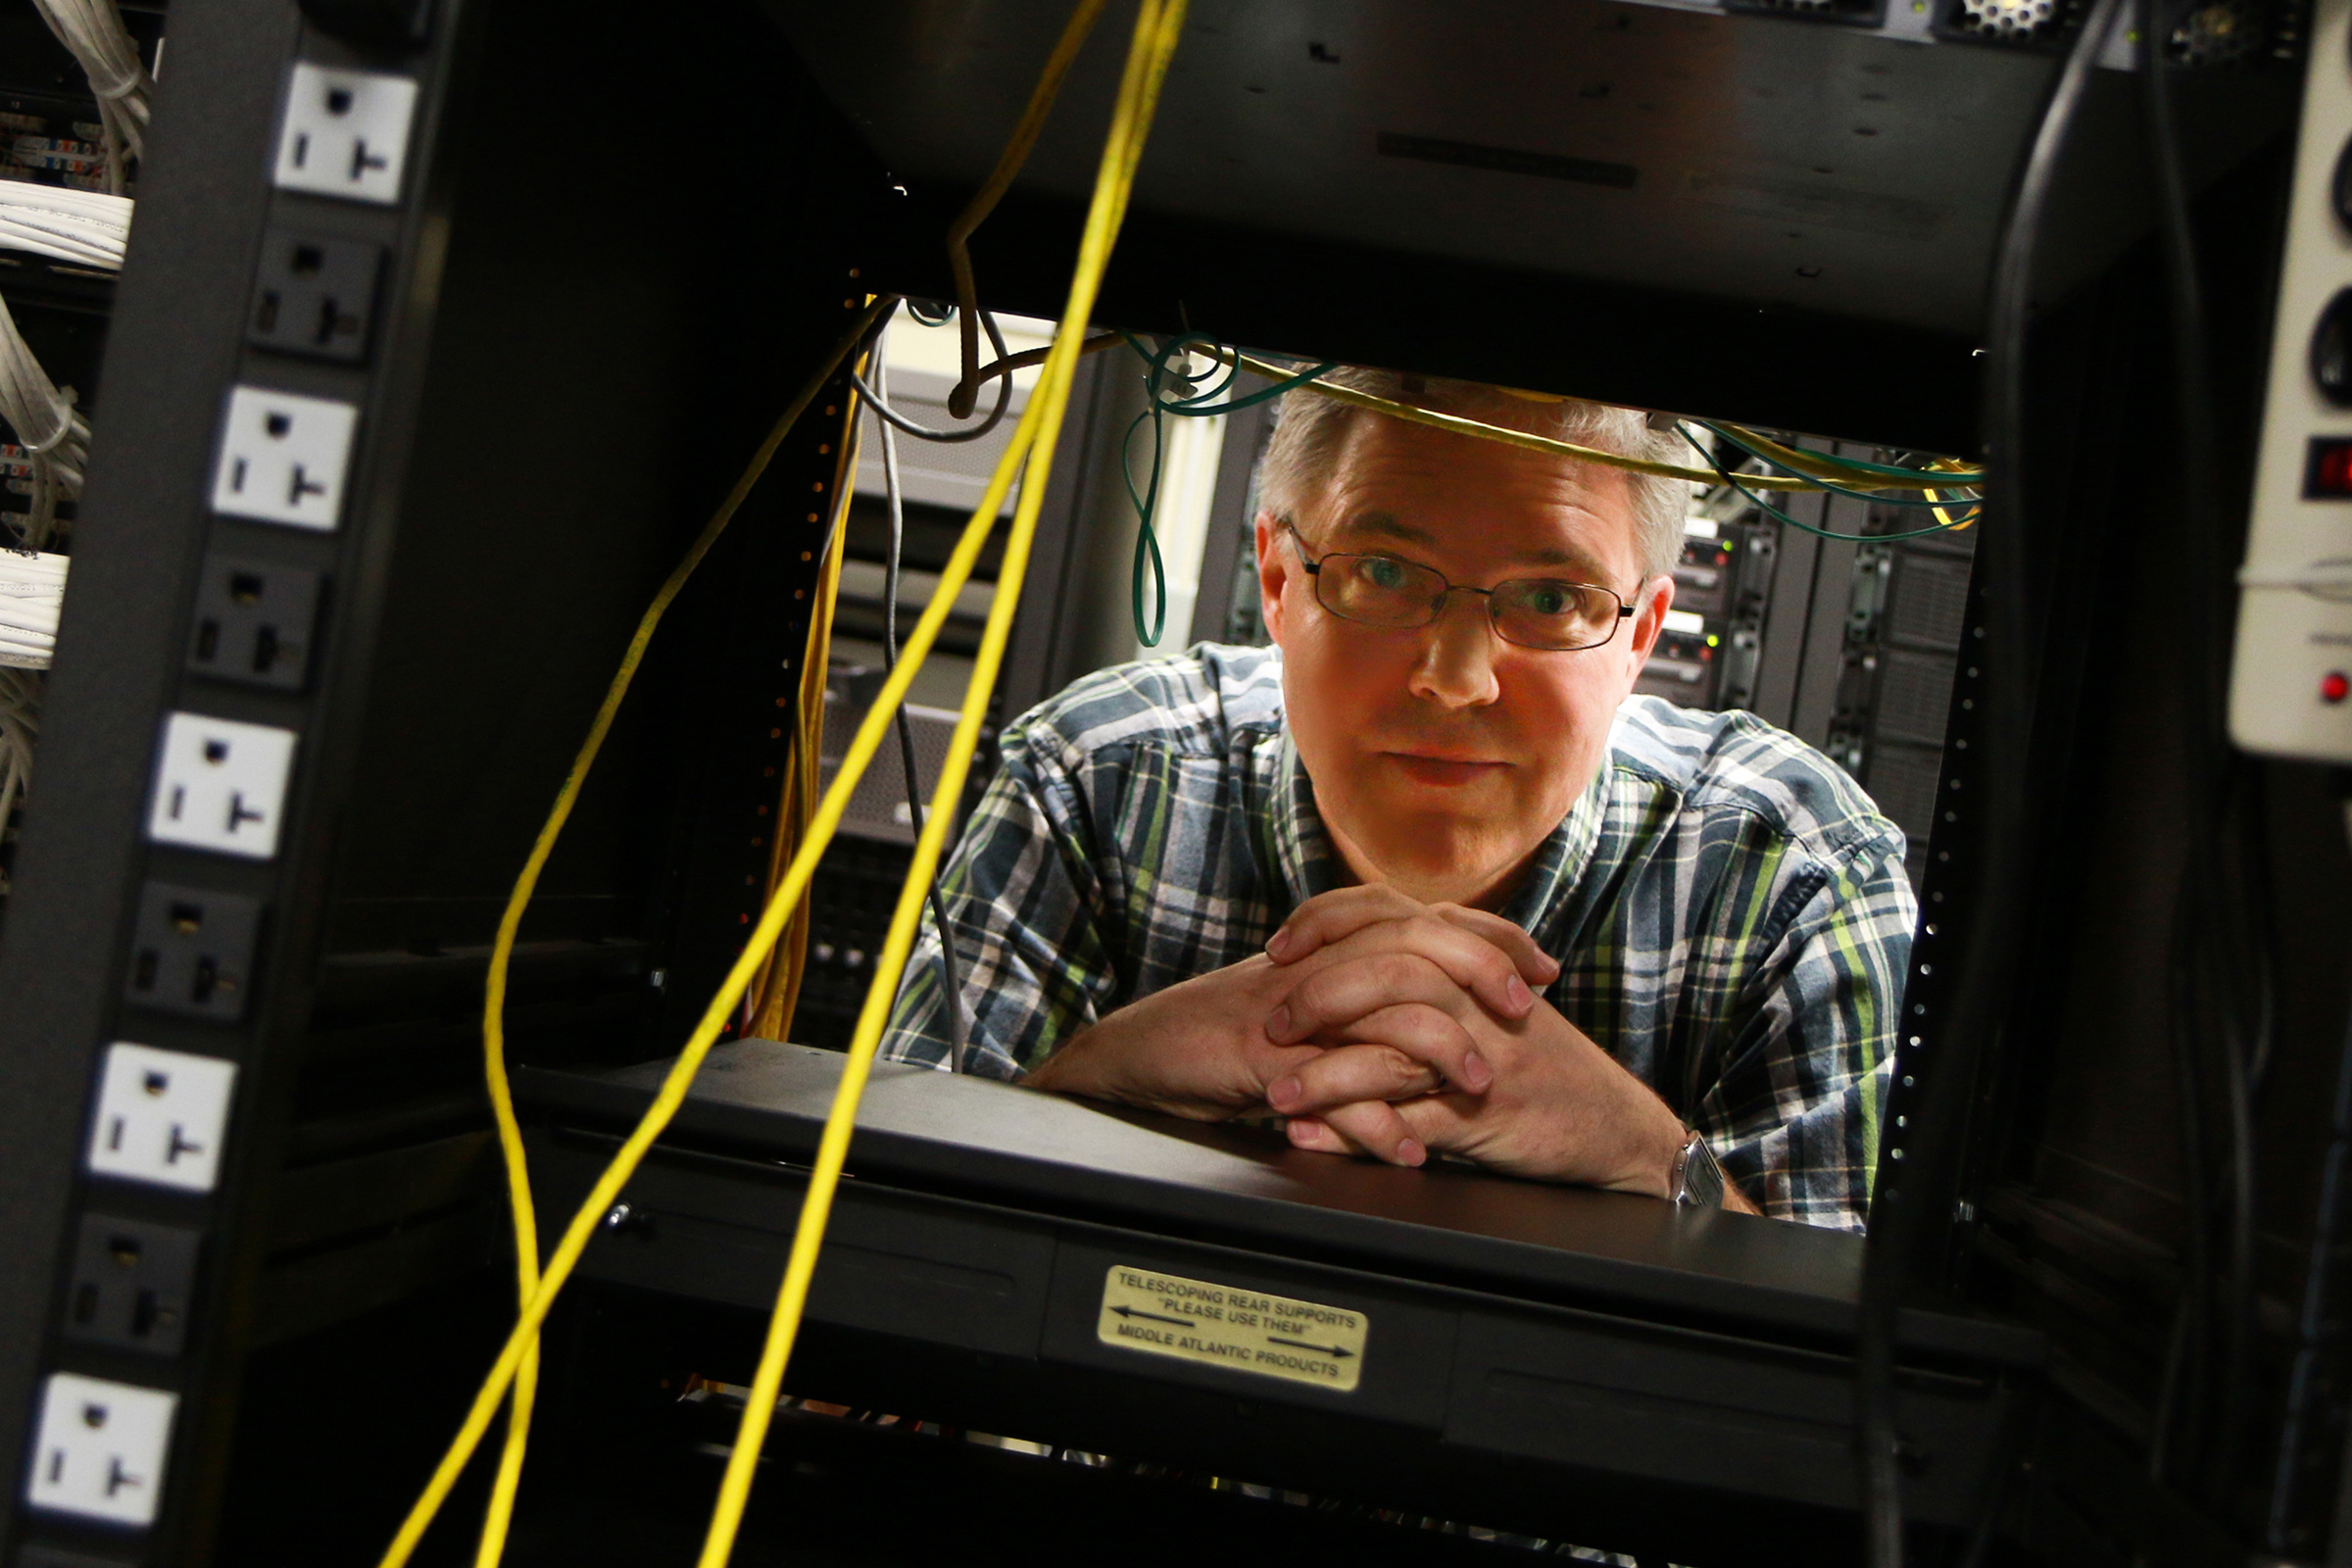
(1539, 612)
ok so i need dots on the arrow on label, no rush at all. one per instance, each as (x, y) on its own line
(1340, 1350)
(1130, 1312)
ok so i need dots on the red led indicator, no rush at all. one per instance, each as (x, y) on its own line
(2335, 686)
(2327, 470)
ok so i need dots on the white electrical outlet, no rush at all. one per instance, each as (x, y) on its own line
(345, 134)
(220, 785)
(161, 1115)
(100, 1449)
(282, 458)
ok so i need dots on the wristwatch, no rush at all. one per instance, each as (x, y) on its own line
(1697, 1181)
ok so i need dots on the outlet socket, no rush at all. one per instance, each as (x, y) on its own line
(282, 458)
(255, 621)
(132, 1282)
(160, 1116)
(315, 296)
(220, 785)
(192, 950)
(99, 1451)
(345, 133)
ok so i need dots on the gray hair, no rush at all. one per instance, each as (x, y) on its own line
(1308, 436)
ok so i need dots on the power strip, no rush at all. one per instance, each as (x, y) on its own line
(2291, 692)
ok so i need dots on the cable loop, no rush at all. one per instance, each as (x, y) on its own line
(893, 416)
(62, 407)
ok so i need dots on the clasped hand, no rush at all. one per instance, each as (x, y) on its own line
(1378, 1025)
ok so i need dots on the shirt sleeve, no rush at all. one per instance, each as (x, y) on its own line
(1023, 898)
(1793, 1116)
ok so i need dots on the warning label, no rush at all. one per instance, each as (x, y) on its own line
(1271, 1336)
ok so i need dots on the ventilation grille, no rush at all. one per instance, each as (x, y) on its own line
(2026, 23)
(2205, 34)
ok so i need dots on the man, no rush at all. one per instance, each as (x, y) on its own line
(1423, 879)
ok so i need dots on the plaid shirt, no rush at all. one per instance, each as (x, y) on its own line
(1729, 910)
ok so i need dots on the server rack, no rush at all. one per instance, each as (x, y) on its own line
(253, 916)
(365, 1166)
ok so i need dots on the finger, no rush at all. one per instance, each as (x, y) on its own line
(1369, 1127)
(1316, 1134)
(1331, 1002)
(1335, 996)
(1411, 1049)
(1264, 1067)
(1345, 1074)
(1334, 916)
(1470, 961)
(1534, 965)
(1442, 1122)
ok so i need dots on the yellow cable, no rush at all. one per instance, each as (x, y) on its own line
(502, 949)
(1000, 180)
(1582, 454)
(498, 1516)
(672, 1091)
(1157, 27)
(1975, 507)
(1505, 434)
(1821, 466)
(767, 1011)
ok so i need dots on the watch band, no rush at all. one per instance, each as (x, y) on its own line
(1697, 1179)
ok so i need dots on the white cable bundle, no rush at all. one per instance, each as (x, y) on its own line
(87, 228)
(19, 723)
(32, 590)
(54, 439)
(93, 30)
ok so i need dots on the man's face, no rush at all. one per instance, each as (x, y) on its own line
(1442, 755)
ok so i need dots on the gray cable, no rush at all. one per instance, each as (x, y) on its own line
(890, 660)
(876, 395)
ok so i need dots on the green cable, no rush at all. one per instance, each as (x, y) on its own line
(1263, 394)
(1805, 528)
(1956, 485)
(1965, 479)
(1197, 406)
(1149, 629)
(1147, 542)
(1159, 372)
(1192, 407)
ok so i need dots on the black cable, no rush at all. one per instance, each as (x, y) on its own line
(2235, 974)
(2205, 1012)
(948, 979)
(892, 417)
(2216, 923)
(2308, 1386)
(1988, 942)
(2180, 1385)
(2238, 1321)
(2261, 900)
